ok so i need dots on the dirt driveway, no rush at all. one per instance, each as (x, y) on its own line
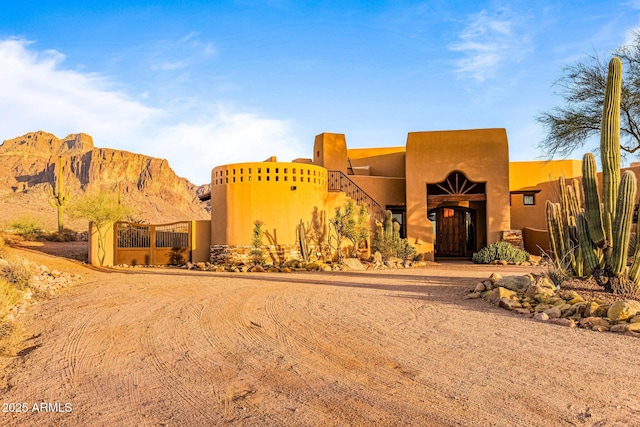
(392, 348)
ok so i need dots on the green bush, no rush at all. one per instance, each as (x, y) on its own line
(26, 227)
(501, 251)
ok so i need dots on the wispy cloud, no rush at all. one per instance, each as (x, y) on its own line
(489, 39)
(39, 93)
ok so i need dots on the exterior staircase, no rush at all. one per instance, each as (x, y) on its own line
(338, 181)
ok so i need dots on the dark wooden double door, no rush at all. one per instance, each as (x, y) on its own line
(455, 231)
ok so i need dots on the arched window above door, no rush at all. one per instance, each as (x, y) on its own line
(456, 183)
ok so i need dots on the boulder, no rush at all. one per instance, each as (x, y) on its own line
(541, 316)
(514, 283)
(480, 287)
(564, 322)
(509, 304)
(353, 264)
(538, 293)
(623, 310)
(495, 277)
(498, 293)
(553, 312)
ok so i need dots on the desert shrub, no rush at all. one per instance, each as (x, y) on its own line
(65, 235)
(10, 295)
(388, 242)
(500, 251)
(17, 271)
(257, 253)
(26, 227)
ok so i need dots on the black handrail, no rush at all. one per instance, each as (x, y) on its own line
(338, 181)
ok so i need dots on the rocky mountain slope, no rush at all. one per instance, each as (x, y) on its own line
(28, 166)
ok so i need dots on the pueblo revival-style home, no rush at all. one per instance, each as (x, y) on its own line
(452, 192)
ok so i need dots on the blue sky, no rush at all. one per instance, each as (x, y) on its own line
(204, 83)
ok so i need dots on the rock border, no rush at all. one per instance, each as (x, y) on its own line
(537, 297)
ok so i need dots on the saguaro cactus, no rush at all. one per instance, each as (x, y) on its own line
(598, 235)
(59, 197)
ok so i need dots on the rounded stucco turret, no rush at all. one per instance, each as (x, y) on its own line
(280, 194)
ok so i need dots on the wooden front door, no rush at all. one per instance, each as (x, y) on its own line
(450, 232)
(455, 231)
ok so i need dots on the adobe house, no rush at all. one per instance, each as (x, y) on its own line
(452, 192)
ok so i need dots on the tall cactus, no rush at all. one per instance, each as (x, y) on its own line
(599, 234)
(59, 197)
(610, 136)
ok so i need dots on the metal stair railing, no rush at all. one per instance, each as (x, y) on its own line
(338, 181)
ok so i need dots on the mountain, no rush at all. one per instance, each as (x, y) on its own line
(29, 166)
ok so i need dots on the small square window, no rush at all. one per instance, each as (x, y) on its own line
(529, 199)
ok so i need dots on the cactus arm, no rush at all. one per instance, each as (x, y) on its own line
(592, 209)
(590, 252)
(634, 271)
(555, 229)
(622, 222)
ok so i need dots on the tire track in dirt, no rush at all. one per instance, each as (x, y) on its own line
(73, 353)
(161, 359)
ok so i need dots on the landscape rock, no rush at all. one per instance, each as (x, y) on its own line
(553, 313)
(623, 309)
(495, 277)
(498, 293)
(541, 316)
(353, 264)
(514, 283)
(537, 297)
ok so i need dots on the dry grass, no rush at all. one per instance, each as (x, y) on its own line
(17, 271)
(9, 297)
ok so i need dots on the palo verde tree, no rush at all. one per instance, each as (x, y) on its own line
(350, 223)
(103, 210)
(582, 87)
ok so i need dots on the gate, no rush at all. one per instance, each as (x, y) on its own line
(147, 244)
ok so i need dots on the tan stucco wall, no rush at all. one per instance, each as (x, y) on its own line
(481, 154)
(330, 151)
(93, 246)
(200, 241)
(538, 175)
(245, 192)
(386, 191)
(389, 161)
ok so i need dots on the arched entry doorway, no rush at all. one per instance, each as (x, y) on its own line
(457, 210)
